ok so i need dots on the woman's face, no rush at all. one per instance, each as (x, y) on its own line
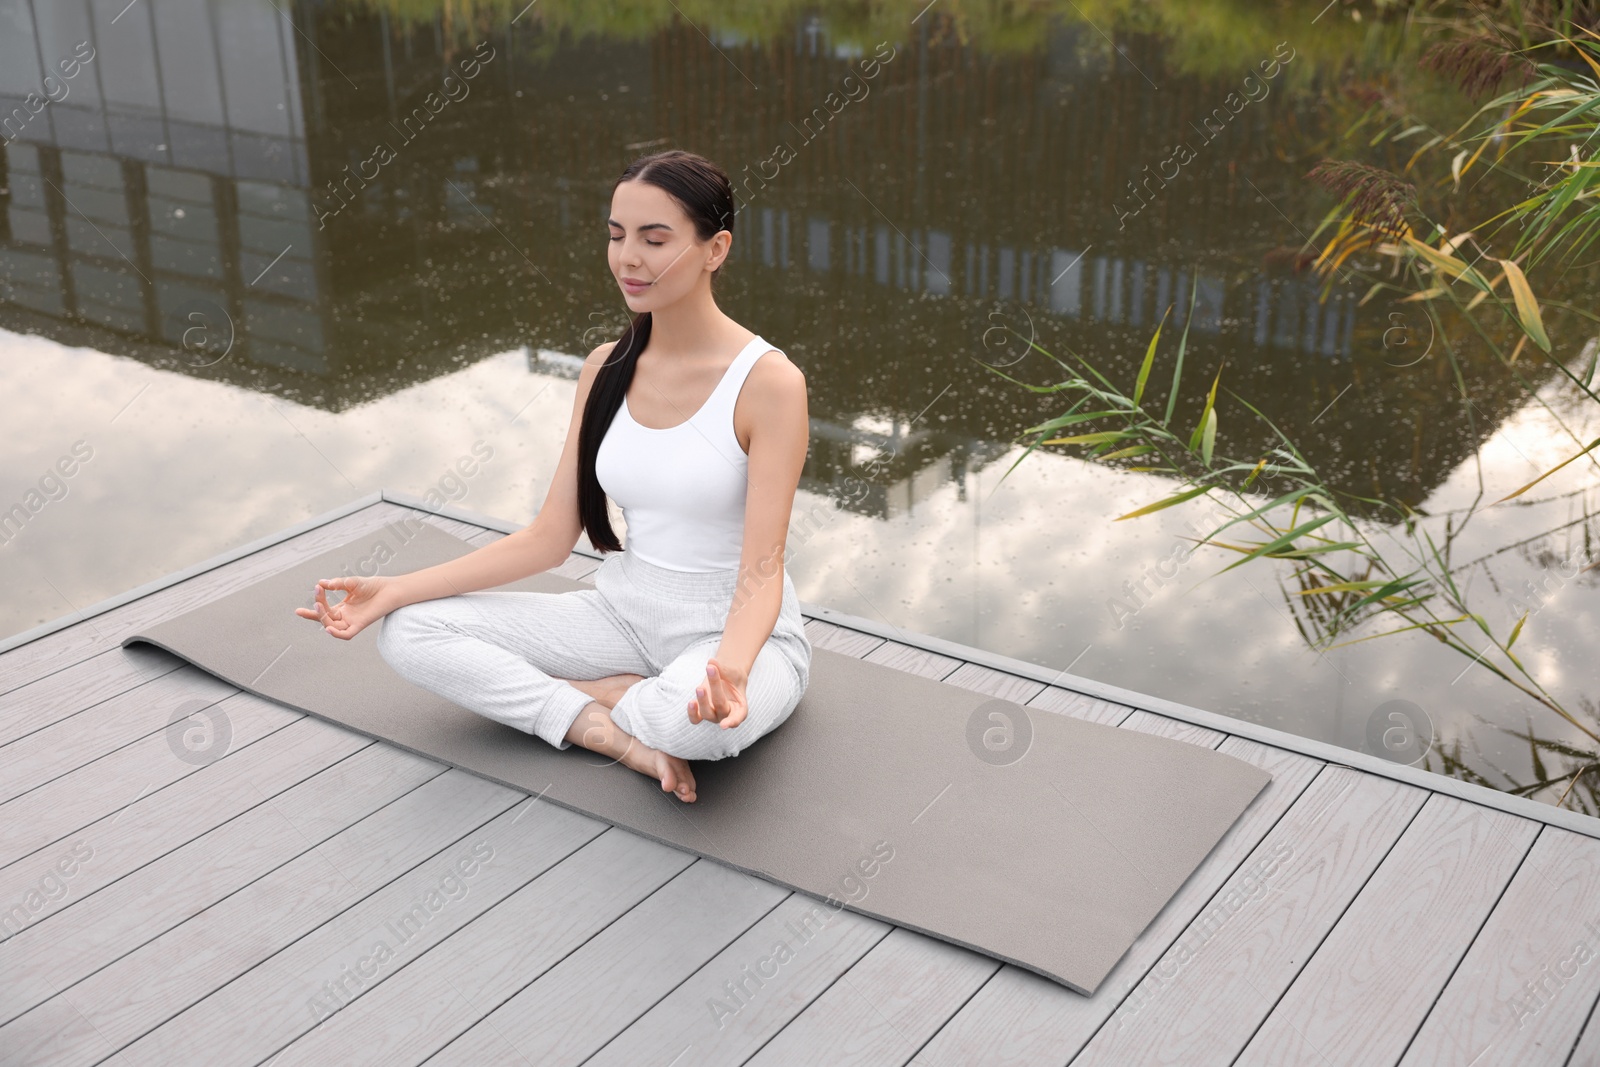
(653, 242)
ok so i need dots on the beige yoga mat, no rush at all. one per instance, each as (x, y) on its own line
(1037, 838)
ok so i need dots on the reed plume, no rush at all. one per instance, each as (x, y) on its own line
(1477, 64)
(1379, 198)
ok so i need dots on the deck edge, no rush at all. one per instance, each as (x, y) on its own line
(239, 552)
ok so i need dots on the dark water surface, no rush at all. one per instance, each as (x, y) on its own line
(256, 261)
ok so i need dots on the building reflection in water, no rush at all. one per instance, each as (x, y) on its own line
(181, 195)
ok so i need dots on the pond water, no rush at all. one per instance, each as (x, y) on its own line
(251, 269)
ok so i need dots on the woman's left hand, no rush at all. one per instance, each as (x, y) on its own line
(721, 698)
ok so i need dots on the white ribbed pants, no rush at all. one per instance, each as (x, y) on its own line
(506, 654)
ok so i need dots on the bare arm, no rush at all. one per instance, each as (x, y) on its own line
(778, 443)
(544, 543)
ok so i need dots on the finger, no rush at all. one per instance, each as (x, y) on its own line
(724, 697)
(708, 711)
(729, 696)
(315, 611)
(348, 586)
(736, 712)
(717, 688)
(718, 708)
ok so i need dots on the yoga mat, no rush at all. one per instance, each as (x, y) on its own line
(1034, 837)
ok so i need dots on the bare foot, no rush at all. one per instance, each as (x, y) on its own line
(594, 730)
(672, 771)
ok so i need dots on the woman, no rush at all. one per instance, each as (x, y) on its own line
(691, 644)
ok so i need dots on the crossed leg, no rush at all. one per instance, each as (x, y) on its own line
(595, 730)
(500, 653)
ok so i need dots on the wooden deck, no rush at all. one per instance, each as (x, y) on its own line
(160, 911)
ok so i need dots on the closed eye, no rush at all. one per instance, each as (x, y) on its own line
(656, 244)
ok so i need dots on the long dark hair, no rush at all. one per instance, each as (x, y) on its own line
(702, 189)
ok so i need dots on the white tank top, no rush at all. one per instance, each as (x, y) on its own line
(682, 488)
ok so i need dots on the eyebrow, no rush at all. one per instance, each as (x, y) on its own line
(646, 226)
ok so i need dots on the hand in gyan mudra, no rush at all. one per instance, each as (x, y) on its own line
(721, 698)
(363, 604)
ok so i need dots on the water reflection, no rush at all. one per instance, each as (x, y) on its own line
(301, 215)
(331, 207)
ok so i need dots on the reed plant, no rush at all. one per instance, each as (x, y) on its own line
(1365, 568)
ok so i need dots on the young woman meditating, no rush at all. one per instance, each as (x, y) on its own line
(691, 644)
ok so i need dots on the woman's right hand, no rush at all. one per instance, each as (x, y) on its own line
(364, 603)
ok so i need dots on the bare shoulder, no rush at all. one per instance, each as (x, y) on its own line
(773, 403)
(775, 376)
(591, 369)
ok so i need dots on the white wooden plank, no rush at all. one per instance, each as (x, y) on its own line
(454, 527)
(883, 1009)
(287, 995)
(91, 733)
(1362, 996)
(1020, 1018)
(1587, 1050)
(478, 1046)
(1525, 987)
(1067, 702)
(94, 790)
(148, 828)
(749, 991)
(162, 977)
(1210, 990)
(839, 639)
(995, 683)
(570, 1010)
(1176, 729)
(477, 968)
(74, 944)
(574, 1008)
(913, 660)
(55, 696)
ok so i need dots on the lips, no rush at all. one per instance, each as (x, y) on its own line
(634, 286)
